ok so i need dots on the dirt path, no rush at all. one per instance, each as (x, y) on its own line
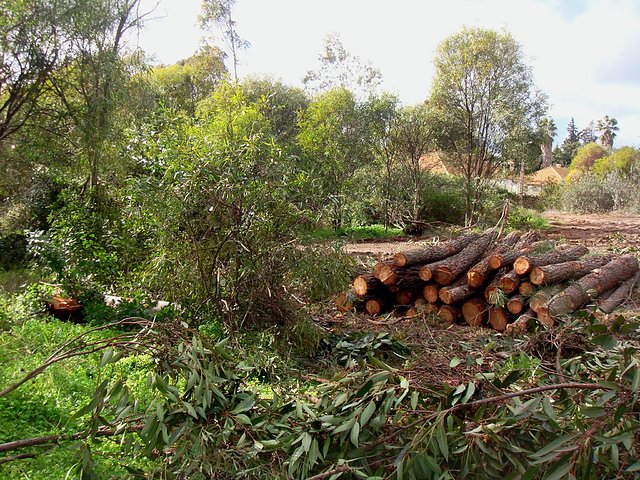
(603, 231)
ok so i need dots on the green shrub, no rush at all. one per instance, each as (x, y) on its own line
(526, 219)
(586, 195)
(442, 199)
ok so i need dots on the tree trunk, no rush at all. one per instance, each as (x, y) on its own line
(446, 271)
(526, 263)
(550, 274)
(449, 313)
(392, 275)
(541, 297)
(526, 289)
(520, 324)
(498, 319)
(492, 289)
(433, 253)
(516, 304)
(474, 312)
(499, 259)
(430, 292)
(451, 295)
(509, 282)
(589, 286)
(620, 294)
(547, 154)
(367, 284)
(478, 275)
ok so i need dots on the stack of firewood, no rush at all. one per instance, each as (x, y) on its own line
(503, 283)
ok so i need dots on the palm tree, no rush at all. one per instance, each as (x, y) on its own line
(546, 132)
(607, 128)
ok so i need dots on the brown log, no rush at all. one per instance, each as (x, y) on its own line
(474, 312)
(492, 289)
(509, 282)
(516, 304)
(433, 253)
(499, 260)
(451, 295)
(346, 302)
(405, 297)
(590, 286)
(449, 313)
(376, 306)
(403, 277)
(526, 289)
(448, 270)
(559, 272)
(620, 294)
(430, 292)
(367, 284)
(524, 264)
(498, 319)
(542, 296)
(479, 274)
(520, 324)
(431, 308)
(378, 268)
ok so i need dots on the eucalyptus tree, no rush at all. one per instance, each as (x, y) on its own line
(218, 15)
(482, 90)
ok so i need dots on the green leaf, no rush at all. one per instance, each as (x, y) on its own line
(355, 434)
(605, 341)
(443, 445)
(560, 472)
(555, 445)
(455, 361)
(414, 399)
(367, 413)
(633, 468)
(245, 405)
(471, 388)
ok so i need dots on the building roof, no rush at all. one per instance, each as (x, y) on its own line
(439, 162)
(551, 174)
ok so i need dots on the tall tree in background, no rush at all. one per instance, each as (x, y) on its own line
(218, 14)
(341, 69)
(482, 90)
(607, 127)
(546, 132)
(30, 49)
(588, 134)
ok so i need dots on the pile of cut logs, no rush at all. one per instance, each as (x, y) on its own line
(505, 283)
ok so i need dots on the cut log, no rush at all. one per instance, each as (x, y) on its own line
(499, 260)
(344, 303)
(521, 323)
(474, 312)
(526, 289)
(434, 252)
(430, 292)
(405, 297)
(376, 306)
(509, 282)
(524, 264)
(367, 284)
(620, 294)
(448, 270)
(378, 268)
(450, 313)
(541, 297)
(492, 293)
(431, 308)
(592, 285)
(403, 277)
(479, 274)
(498, 319)
(559, 272)
(451, 295)
(516, 304)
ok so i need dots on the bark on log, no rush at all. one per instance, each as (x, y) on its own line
(492, 289)
(499, 260)
(448, 270)
(431, 308)
(451, 295)
(433, 253)
(559, 272)
(430, 292)
(367, 284)
(526, 289)
(524, 264)
(449, 313)
(620, 294)
(543, 296)
(474, 312)
(498, 319)
(590, 286)
(479, 274)
(520, 324)
(392, 275)
(405, 297)
(516, 304)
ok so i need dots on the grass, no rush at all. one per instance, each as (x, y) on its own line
(357, 233)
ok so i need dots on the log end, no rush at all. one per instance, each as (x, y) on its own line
(522, 265)
(344, 303)
(537, 276)
(426, 273)
(360, 286)
(400, 259)
(495, 262)
(475, 279)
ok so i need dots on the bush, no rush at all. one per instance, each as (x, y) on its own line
(526, 219)
(443, 199)
(587, 195)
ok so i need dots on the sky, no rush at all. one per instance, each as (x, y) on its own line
(585, 54)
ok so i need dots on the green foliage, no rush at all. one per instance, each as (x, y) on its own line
(526, 219)
(441, 200)
(624, 161)
(585, 160)
(356, 233)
